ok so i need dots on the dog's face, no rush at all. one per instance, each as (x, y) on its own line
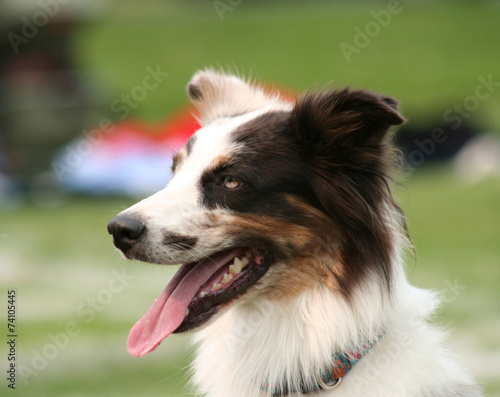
(267, 198)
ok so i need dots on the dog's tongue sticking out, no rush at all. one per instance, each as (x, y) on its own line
(169, 309)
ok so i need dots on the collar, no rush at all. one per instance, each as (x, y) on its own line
(329, 378)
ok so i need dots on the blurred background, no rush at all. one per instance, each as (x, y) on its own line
(92, 104)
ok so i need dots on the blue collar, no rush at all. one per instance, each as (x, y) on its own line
(330, 377)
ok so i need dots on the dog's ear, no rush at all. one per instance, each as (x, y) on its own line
(356, 120)
(219, 95)
(344, 138)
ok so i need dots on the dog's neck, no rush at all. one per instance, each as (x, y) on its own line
(330, 378)
(285, 346)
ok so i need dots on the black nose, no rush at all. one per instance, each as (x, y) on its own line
(126, 231)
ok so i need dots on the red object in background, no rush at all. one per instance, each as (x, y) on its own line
(178, 129)
(172, 133)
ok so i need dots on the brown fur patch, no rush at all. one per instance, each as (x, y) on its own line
(183, 153)
(303, 256)
(220, 162)
(178, 158)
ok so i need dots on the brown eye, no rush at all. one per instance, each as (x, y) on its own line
(231, 182)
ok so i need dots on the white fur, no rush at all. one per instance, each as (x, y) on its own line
(226, 95)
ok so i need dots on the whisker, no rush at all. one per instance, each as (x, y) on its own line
(188, 247)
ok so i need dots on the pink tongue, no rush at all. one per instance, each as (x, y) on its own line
(169, 309)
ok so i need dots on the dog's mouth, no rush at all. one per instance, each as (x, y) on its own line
(196, 293)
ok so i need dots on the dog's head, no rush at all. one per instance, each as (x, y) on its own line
(267, 199)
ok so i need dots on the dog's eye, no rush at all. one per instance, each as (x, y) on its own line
(231, 182)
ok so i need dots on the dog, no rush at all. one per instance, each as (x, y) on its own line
(291, 244)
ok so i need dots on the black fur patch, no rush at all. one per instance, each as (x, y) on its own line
(269, 168)
(345, 134)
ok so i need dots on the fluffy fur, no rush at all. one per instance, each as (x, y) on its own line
(316, 196)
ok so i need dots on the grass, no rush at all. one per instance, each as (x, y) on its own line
(429, 56)
(453, 228)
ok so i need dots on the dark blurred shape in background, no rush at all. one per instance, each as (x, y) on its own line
(44, 101)
(472, 153)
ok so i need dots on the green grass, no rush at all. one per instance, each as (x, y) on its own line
(454, 228)
(429, 55)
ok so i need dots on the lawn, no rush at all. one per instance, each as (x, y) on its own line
(430, 56)
(77, 298)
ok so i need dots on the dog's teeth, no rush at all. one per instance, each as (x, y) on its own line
(215, 287)
(234, 270)
(238, 265)
(249, 253)
(203, 294)
(187, 313)
(227, 278)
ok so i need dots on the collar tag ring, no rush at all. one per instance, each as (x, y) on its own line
(331, 385)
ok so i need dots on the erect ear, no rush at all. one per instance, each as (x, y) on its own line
(219, 95)
(333, 121)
